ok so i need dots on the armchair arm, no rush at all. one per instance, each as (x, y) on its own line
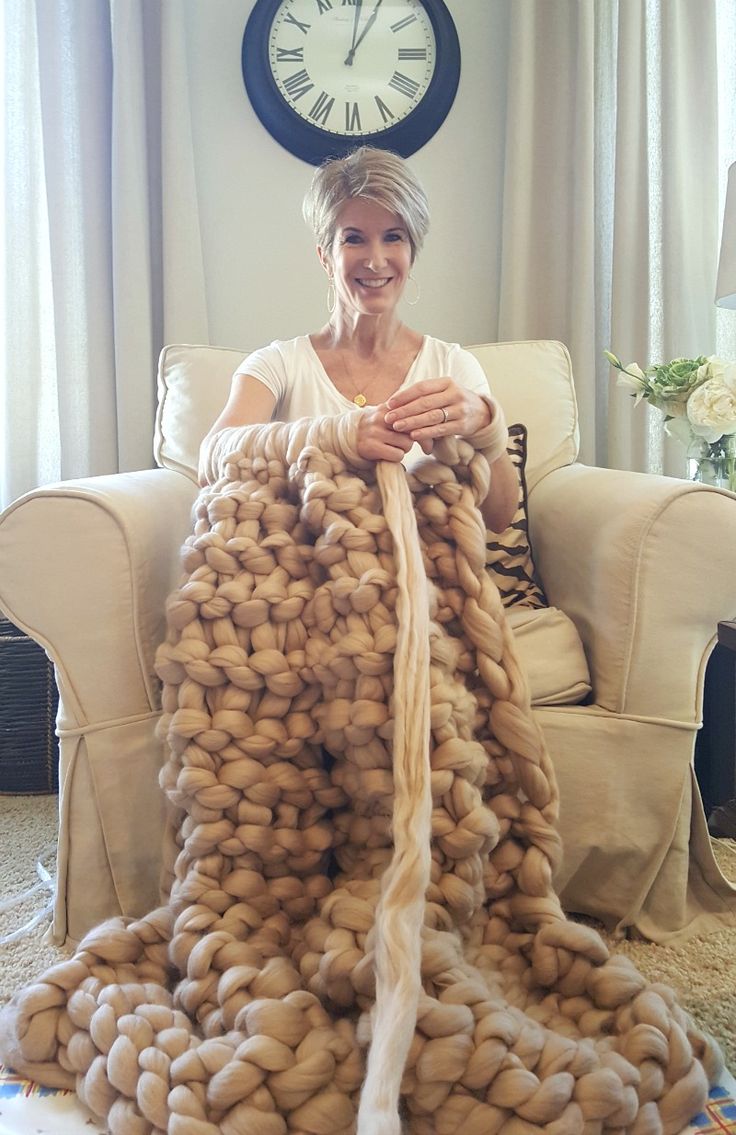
(644, 566)
(85, 568)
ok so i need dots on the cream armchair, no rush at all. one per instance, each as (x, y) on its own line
(616, 665)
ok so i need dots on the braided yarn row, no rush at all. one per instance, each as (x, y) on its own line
(362, 931)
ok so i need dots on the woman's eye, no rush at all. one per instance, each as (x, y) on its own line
(351, 238)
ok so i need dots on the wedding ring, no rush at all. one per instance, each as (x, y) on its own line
(445, 415)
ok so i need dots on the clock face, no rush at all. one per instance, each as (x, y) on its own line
(352, 69)
(327, 75)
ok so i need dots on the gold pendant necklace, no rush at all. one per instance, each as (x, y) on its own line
(359, 398)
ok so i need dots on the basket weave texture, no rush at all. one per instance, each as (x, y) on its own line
(29, 748)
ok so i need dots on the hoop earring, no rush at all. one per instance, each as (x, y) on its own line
(331, 296)
(415, 301)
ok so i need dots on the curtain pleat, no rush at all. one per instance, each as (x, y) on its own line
(185, 312)
(134, 232)
(547, 287)
(626, 201)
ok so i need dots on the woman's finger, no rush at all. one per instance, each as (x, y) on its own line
(377, 441)
(375, 450)
(439, 421)
(426, 389)
(427, 409)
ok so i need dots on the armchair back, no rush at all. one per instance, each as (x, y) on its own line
(532, 380)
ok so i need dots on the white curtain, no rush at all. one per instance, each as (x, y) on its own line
(101, 240)
(620, 131)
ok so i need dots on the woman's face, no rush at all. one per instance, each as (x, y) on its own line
(370, 258)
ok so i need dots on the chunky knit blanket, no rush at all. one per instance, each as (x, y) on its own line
(362, 931)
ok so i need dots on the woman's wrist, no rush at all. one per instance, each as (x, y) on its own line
(491, 438)
(488, 411)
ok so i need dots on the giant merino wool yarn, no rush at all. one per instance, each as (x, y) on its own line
(361, 931)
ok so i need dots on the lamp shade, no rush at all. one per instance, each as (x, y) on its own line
(726, 282)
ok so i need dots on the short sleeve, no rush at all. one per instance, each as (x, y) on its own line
(466, 370)
(267, 365)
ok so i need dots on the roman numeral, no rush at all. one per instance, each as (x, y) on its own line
(298, 84)
(289, 54)
(401, 24)
(324, 6)
(352, 117)
(403, 84)
(289, 19)
(412, 53)
(386, 113)
(348, 3)
(321, 110)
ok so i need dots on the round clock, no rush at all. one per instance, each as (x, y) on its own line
(325, 76)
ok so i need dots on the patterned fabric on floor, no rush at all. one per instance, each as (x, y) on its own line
(62, 1114)
(719, 1117)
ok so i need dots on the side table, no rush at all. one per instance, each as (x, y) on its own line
(715, 749)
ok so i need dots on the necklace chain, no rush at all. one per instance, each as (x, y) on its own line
(359, 397)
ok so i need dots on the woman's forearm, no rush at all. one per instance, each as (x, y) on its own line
(501, 503)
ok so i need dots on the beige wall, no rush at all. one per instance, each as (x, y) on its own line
(263, 277)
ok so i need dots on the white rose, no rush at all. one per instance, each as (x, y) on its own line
(722, 372)
(713, 368)
(728, 377)
(711, 408)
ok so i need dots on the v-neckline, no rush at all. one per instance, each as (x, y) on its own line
(349, 401)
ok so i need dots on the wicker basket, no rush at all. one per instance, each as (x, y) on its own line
(29, 749)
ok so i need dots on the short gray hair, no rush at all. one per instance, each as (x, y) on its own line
(372, 175)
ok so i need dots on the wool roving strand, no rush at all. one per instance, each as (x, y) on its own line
(400, 911)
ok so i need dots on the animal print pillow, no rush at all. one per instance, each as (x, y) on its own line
(509, 553)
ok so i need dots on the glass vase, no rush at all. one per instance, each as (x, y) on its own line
(714, 463)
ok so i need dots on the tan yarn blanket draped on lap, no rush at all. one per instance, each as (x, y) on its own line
(362, 930)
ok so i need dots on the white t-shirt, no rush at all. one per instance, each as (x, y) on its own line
(293, 372)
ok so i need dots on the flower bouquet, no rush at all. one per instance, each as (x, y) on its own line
(698, 400)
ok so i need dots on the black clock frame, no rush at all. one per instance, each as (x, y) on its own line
(314, 145)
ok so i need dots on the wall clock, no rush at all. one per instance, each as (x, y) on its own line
(325, 76)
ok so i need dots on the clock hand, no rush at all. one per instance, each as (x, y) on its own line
(356, 21)
(369, 23)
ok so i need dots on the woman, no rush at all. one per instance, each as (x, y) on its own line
(369, 215)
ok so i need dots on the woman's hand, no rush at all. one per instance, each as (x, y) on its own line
(437, 407)
(378, 442)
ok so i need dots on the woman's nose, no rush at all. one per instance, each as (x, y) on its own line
(376, 257)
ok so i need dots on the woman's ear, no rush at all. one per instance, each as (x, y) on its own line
(324, 260)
